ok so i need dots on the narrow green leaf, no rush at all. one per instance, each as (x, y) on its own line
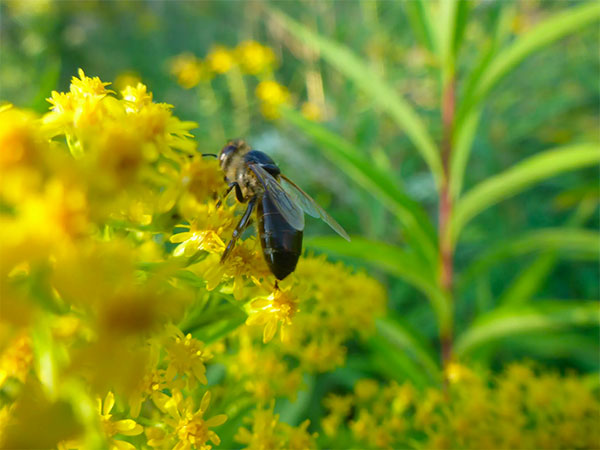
(419, 16)
(464, 130)
(528, 282)
(398, 333)
(392, 260)
(382, 95)
(419, 230)
(578, 243)
(540, 317)
(519, 177)
(463, 141)
(395, 364)
(550, 30)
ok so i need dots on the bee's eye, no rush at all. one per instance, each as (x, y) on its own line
(227, 151)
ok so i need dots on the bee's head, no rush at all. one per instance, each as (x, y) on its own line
(232, 148)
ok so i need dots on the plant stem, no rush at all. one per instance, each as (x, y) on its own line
(445, 212)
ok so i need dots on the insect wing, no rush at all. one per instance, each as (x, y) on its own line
(290, 211)
(310, 206)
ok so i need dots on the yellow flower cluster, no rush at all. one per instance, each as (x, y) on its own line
(267, 432)
(249, 58)
(114, 302)
(518, 408)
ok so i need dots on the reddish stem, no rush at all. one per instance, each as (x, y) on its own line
(445, 212)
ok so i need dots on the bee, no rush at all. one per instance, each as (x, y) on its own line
(280, 205)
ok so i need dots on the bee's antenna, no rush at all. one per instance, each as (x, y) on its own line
(209, 154)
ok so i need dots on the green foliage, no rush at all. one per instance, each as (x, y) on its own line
(520, 172)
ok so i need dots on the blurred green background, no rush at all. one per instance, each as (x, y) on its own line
(525, 269)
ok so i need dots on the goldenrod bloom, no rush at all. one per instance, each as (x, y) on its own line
(279, 307)
(220, 59)
(312, 111)
(272, 95)
(188, 70)
(255, 58)
(187, 426)
(186, 356)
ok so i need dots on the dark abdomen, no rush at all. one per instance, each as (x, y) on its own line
(281, 243)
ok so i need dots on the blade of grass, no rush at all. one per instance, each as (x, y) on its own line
(519, 177)
(542, 317)
(419, 16)
(419, 230)
(383, 95)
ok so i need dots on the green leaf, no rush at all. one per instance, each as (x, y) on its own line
(541, 317)
(399, 334)
(550, 30)
(453, 19)
(419, 230)
(395, 364)
(579, 243)
(419, 16)
(519, 177)
(464, 130)
(528, 282)
(381, 93)
(392, 260)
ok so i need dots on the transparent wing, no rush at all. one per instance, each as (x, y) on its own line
(310, 206)
(290, 211)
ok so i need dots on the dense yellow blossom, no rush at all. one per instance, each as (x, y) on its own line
(185, 426)
(266, 431)
(112, 285)
(518, 408)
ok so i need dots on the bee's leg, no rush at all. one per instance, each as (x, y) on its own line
(238, 194)
(241, 226)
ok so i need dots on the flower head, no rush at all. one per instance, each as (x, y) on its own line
(220, 59)
(278, 308)
(187, 427)
(255, 58)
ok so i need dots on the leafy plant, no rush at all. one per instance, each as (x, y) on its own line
(427, 258)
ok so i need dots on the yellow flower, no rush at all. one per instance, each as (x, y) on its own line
(279, 307)
(137, 96)
(126, 79)
(205, 230)
(86, 86)
(262, 371)
(272, 92)
(20, 140)
(185, 356)
(365, 389)
(220, 59)
(16, 359)
(188, 426)
(312, 111)
(272, 95)
(267, 432)
(189, 70)
(255, 58)
(125, 427)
